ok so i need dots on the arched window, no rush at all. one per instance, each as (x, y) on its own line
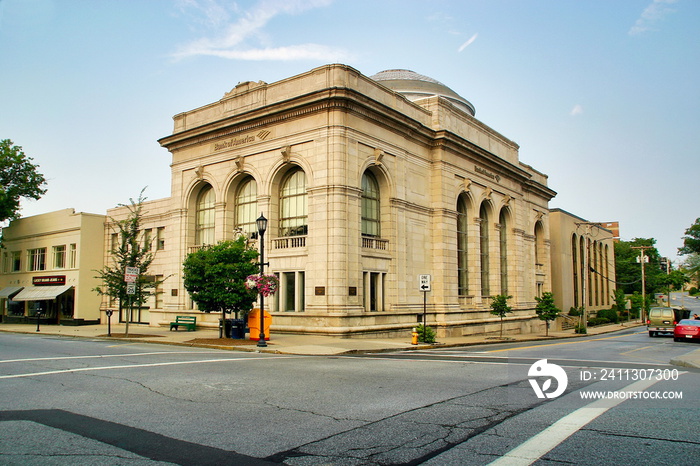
(293, 210)
(247, 206)
(540, 258)
(462, 247)
(370, 205)
(574, 265)
(582, 263)
(503, 243)
(606, 276)
(204, 217)
(484, 249)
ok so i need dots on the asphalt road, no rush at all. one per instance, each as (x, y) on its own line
(73, 401)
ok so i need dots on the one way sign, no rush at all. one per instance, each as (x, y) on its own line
(424, 282)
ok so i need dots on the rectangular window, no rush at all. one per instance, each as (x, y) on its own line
(36, 259)
(158, 292)
(73, 256)
(291, 295)
(115, 242)
(374, 291)
(16, 261)
(59, 257)
(147, 236)
(160, 238)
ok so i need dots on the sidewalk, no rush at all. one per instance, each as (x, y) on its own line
(304, 344)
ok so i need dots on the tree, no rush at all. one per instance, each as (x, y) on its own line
(692, 267)
(19, 179)
(130, 251)
(628, 272)
(215, 277)
(499, 307)
(546, 310)
(691, 240)
(620, 301)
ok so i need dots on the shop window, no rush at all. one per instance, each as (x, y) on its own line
(247, 207)
(370, 205)
(293, 204)
(59, 257)
(36, 259)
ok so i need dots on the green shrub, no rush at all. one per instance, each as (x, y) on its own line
(609, 314)
(693, 291)
(573, 312)
(598, 321)
(425, 334)
(581, 329)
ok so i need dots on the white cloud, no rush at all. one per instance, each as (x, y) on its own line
(577, 110)
(287, 53)
(241, 39)
(467, 43)
(653, 13)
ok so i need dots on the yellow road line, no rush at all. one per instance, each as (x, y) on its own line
(560, 343)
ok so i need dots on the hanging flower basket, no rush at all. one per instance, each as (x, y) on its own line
(266, 285)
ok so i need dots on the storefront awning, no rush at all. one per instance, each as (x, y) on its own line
(10, 291)
(41, 293)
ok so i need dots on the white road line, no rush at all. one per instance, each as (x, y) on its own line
(533, 449)
(131, 366)
(105, 356)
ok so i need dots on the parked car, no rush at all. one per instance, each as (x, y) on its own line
(664, 319)
(687, 329)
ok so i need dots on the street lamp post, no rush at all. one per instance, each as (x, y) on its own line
(261, 223)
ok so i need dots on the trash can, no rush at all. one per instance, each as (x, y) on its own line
(254, 324)
(237, 328)
(225, 328)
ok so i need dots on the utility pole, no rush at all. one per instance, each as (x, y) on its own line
(643, 258)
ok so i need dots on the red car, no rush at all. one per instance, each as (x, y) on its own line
(687, 329)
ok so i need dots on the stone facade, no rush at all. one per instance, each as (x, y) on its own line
(364, 191)
(578, 245)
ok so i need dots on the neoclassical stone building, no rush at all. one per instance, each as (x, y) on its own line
(367, 182)
(583, 254)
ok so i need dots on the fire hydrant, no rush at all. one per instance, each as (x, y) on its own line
(414, 337)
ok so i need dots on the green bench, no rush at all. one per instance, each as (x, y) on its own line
(184, 321)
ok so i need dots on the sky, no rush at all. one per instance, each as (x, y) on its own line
(602, 96)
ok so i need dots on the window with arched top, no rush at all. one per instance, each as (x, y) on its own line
(370, 205)
(574, 267)
(503, 249)
(204, 217)
(246, 206)
(484, 249)
(462, 247)
(293, 204)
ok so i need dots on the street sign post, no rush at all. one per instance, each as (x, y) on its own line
(424, 286)
(131, 274)
(424, 282)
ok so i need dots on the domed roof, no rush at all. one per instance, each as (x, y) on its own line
(417, 86)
